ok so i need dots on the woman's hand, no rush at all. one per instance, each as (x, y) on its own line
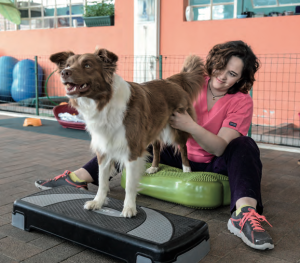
(214, 144)
(182, 121)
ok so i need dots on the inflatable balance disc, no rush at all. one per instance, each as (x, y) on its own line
(195, 189)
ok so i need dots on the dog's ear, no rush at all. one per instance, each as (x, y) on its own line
(106, 56)
(109, 62)
(60, 59)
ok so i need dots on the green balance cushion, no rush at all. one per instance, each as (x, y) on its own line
(195, 189)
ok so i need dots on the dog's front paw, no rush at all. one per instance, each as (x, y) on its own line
(92, 205)
(186, 169)
(129, 211)
(152, 170)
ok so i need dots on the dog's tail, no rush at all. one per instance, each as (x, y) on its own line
(191, 78)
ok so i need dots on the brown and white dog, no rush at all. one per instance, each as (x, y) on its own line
(123, 117)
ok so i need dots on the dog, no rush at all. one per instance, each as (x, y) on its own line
(124, 118)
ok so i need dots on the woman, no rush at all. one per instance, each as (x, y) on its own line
(218, 144)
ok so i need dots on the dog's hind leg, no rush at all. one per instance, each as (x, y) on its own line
(103, 187)
(185, 161)
(181, 138)
(134, 170)
(156, 158)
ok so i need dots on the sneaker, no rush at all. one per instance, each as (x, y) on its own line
(60, 180)
(247, 226)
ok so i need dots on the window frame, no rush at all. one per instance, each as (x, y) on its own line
(5, 21)
(277, 5)
(54, 17)
(211, 5)
(235, 3)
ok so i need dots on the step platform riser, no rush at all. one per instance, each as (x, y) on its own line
(151, 236)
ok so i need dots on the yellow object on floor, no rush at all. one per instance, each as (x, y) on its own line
(32, 122)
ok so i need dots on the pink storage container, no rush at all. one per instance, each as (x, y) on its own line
(67, 124)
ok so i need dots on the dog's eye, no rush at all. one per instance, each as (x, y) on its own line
(87, 66)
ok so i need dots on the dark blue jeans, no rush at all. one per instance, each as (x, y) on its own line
(240, 162)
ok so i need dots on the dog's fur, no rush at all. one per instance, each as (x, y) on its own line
(123, 118)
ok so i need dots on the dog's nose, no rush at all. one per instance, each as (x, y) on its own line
(66, 73)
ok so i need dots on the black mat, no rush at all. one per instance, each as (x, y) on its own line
(48, 127)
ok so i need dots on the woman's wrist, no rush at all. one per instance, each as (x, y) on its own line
(194, 129)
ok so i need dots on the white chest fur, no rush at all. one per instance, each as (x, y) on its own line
(106, 126)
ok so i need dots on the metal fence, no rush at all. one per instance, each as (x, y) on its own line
(276, 98)
(29, 84)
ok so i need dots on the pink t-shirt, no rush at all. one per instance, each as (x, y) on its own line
(233, 111)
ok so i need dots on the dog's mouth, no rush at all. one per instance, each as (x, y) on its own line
(73, 88)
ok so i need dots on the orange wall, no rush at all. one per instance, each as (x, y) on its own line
(276, 99)
(80, 40)
(266, 35)
(44, 42)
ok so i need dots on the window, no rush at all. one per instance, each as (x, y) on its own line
(36, 14)
(146, 10)
(213, 9)
(226, 9)
(274, 3)
(6, 25)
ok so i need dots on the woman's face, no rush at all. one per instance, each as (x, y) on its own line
(224, 79)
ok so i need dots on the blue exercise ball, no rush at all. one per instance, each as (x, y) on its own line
(6, 76)
(23, 86)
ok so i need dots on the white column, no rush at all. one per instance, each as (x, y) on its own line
(146, 39)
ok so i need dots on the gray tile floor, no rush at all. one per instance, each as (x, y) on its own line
(28, 156)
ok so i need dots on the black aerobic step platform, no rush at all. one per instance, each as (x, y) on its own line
(150, 237)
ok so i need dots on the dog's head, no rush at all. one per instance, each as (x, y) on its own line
(88, 75)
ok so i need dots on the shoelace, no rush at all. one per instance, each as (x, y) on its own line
(255, 220)
(60, 176)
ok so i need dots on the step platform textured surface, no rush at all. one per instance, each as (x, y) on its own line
(151, 236)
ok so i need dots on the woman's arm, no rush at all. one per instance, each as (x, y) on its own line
(214, 144)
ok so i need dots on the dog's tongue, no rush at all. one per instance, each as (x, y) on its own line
(72, 89)
(76, 89)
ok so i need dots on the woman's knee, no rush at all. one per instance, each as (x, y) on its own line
(244, 143)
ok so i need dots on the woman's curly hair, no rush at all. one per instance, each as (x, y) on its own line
(219, 56)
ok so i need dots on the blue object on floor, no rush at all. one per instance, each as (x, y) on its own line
(23, 86)
(6, 76)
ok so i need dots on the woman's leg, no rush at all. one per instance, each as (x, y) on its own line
(89, 172)
(169, 156)
(79, 178)
(241, 163)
